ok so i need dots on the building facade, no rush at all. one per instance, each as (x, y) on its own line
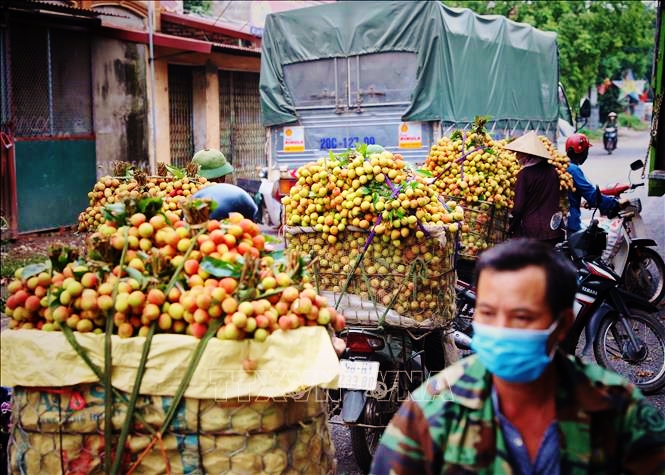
(89, 82)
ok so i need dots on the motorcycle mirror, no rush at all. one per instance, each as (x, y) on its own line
(636, 165)
(585, 108)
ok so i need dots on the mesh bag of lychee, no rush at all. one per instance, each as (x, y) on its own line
(61, 430)
(484, 226)
(374, 281)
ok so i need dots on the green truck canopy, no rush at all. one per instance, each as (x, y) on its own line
(467, 64)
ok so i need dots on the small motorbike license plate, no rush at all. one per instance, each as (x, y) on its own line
(358, 374)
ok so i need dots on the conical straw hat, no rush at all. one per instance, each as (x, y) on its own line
(529, 143)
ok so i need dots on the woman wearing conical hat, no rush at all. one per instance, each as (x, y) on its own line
(536, 213)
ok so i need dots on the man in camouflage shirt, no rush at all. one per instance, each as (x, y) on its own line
(518, 406)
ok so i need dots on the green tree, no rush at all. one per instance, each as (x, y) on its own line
(597, 39)
(201, 7)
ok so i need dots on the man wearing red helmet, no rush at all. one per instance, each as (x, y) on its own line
(577, 148)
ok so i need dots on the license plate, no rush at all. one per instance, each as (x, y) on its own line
(358, 374)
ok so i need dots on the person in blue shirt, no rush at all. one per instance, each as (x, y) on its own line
(577, 148)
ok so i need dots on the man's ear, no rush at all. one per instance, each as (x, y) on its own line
(566, 321)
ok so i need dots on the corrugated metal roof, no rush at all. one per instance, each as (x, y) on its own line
(238, 48)
(40, 5)
(207, 25)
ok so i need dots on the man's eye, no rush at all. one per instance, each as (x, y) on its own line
(523, 318)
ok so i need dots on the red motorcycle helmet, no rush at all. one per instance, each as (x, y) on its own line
(578, 142)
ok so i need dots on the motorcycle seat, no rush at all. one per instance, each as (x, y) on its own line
(615, 190)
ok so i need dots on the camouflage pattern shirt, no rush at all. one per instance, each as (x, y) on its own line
(449, 425)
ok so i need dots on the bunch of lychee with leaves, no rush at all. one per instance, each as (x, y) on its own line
(146, 268)
(128, 182)
(368, 188)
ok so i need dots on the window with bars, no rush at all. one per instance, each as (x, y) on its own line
(46, 89)
(181, 114)
(241, 132)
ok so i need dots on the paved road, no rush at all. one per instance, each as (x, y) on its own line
(603, 169)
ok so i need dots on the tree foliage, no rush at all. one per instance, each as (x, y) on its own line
(596, 39)
(202, 7)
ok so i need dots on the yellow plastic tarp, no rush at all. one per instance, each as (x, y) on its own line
(287, 363)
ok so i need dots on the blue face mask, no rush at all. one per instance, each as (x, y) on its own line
(515, 355)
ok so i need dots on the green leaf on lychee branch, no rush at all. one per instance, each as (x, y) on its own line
(270, 239)
(362, 148)
(115, 213)
(150, 206)
(34, 269)
(277, 256)
(100, 266)
(80, 269)
(219, 268)
(54, 297)
(175, 171)
(61, 255)
(137, 275)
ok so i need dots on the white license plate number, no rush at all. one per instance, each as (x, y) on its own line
(361, 375)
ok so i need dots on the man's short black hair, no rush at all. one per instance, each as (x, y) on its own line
(516, 254)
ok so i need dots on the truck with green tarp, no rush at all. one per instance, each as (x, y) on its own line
(401, 74)
(657, 142)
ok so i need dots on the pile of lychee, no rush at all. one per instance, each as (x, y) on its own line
(183, 277)
(109, 190)
(367, 191)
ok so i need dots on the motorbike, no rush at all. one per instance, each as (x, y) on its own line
(271, 197)
(620, 326)
(610, 136)
(640, 266)
(379, 368)
(465, 302)
(272, 193)
(267, 196)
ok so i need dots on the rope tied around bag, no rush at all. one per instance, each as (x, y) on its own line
(156, 438)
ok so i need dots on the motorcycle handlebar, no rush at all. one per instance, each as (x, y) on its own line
(618, 189)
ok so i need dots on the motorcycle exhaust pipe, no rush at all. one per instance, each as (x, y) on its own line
(462, 340)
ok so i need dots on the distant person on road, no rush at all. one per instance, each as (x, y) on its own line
(536, 212)
(611, 120)
(611, 129)
(519, 405)
(577, 148)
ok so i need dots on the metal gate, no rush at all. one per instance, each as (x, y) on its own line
(241, 132)
(181, 114)
(46, 96)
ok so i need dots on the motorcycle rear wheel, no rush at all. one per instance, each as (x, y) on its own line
(643, 365)
(365, 440)
(645, 275)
